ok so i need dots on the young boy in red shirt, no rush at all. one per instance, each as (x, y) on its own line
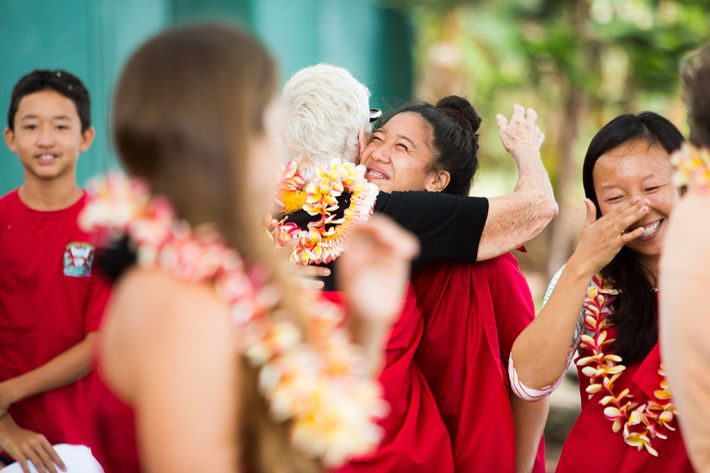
(51, 298)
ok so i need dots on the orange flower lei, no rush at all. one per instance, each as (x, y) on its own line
(324, 240)
(315, 378)
(692, 167)
(641, 422)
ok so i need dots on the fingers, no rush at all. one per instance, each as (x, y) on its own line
(632, 235)
(591, 216)
(53, 456)
(502, 121)
(23, 464)
(40, 456)
(518, 113)
(315, 271)
(531, 116)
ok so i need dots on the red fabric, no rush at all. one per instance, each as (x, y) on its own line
(115, 430)
(50, 299)
(415, 439)
(473, 313)
(591, 446)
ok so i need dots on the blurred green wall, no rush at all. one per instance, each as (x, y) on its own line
(93, 38)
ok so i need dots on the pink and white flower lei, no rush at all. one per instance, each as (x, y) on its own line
(324, 240)
(642, 423)
(317, 381)
(692, 167)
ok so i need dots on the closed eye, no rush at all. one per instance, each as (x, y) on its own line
(402, 146)
(614, 199)
(29, 127)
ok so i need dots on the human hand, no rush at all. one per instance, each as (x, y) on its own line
(27, 446)
(603, 238)
(373, 273)
(520, 135)
(308, 276)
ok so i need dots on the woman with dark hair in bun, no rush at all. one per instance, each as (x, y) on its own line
(472, 312)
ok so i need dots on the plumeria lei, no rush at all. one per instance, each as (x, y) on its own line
(692, 166)
(640, 423)
(324, 239)
(312, 376)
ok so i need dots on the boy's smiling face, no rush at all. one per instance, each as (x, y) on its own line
(47, 135)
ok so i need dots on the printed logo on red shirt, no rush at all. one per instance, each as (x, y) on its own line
(78, 258)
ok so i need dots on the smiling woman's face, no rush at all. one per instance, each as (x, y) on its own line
(400, 155)
(638, 169)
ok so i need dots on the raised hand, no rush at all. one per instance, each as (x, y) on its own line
(603, 238)
(520, 135)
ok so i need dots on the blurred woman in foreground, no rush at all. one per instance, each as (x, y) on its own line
(226, 364)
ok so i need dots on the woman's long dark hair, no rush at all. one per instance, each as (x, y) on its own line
(635, 309)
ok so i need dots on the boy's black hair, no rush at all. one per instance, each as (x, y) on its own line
(59, 81)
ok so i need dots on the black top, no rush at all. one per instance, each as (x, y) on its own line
(449, 227)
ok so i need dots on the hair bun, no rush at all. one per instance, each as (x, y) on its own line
(461, 111)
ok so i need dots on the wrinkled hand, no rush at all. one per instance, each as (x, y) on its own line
(520, 135)
(373, 274)
(27, 446)
(603, 238)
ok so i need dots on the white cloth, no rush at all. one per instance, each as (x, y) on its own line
(77, 459)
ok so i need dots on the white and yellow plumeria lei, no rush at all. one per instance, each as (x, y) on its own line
(321, 385)
(641, 422)
(324, 239)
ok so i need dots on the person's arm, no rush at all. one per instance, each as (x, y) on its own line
(516, 218)
(684, 320)
(61, 370)
(529, 418)
(540, 352)
(168, 350)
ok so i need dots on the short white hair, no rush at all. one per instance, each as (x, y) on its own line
(326, 109)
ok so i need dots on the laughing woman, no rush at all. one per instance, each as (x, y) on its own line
(605, 300)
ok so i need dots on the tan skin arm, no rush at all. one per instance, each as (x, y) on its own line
(529, 418)
(540, 351)
(22, 444)
(516, 218)
(65, 368)
(168, 349)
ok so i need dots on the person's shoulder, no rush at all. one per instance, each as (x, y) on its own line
(8, 199)
(152, 300)
(151, 314)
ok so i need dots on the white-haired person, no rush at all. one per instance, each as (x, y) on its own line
(321, 199)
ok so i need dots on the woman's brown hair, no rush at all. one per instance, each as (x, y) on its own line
(695, 72)
(187, 106)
